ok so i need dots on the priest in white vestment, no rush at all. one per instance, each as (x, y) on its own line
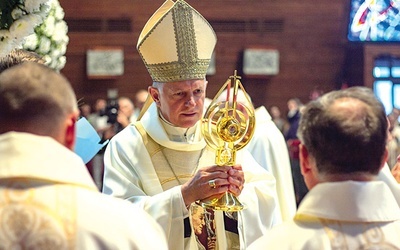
(162, 162)
(48, 199)
(343, 147)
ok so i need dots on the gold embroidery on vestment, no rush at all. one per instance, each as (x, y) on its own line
(27, 222)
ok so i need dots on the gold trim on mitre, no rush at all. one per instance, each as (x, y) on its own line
(176, 43)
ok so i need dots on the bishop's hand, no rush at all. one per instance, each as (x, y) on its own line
(213, 182)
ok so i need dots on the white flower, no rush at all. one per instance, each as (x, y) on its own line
(49, 25)
(36, 25)
(22, 27)
(63, 48)
(18, 20)
(55, 53)
(33, 5)
(47, 59)
(61, 62)
(17, 13)
(60, 30)
(59, 12)
(5, 41)
(31, 42)
(4, 35)
(51, 37)
(44, 46)
(44, 10)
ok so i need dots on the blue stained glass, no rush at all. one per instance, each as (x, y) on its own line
(381, 72)
(383, 90)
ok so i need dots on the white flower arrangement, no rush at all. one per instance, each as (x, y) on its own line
(18, 18)
(50, 39)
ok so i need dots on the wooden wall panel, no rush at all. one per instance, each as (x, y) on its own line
(310, 37)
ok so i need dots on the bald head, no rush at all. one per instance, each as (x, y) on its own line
(35, 99)
(346, 131)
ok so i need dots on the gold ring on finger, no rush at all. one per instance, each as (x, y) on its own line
(211, 183)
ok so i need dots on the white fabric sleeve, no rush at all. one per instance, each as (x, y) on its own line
(259, 197)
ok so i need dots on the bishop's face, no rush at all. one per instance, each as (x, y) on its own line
(181, 103)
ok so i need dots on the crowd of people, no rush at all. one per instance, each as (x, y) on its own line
(323, 177)
(109, 118)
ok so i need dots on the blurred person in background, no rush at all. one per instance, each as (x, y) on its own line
(98, 119)
(126, 110)
(85, 110)
(293, 116)
(277, 118)
(124, 116)
(140, 99)
(109, 124)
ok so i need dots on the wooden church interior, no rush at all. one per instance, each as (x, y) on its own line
(309, 40)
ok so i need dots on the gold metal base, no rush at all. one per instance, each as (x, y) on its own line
(228, 203)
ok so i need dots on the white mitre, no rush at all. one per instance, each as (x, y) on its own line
(177, 43)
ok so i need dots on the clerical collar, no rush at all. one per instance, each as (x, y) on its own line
(178, 134)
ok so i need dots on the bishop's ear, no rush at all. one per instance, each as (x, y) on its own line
(154, 93)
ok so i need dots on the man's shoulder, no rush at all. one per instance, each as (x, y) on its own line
(111, 208)
(289, 235)
(122, 216)
(128, 134)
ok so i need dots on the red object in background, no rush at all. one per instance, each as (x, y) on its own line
(293, 146)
